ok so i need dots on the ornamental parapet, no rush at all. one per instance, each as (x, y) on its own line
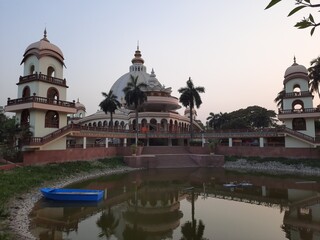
(298, 94)
(43, 78)
(303, 110)
(37, 99)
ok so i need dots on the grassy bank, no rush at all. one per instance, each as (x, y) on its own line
(315, 163)
(23, 179)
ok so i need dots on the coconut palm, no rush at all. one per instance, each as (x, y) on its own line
(190, 98)
(135, 97)
(108, 223)
(109, 104)
(192, 230)
(314, 75)
(279, 98)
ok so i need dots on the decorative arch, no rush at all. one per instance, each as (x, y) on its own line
(53, 95)
(164, 125)
(51, 72)
(122, 124)
(296, 88)
(116, 124)
(52, 119)
(94, 124)
(32, 70)
(99, 124)
(153, 124)
(105, 123)
(297, 105)
(26, 92)
(25, 118)
(299, 124)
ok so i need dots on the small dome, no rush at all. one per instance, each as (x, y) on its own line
(43, 48)
(80, 106)
(295, 68)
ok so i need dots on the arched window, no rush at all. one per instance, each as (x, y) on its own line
(297, 106)
(153, 125)
(122, 124)
(51, 72)
(105, 123)
(53, 95)
(26, 92)
(94, 124)
(25, 118)
(299, 124)
(89, 124)
(99, 124)
(32, 70)
(52, 119)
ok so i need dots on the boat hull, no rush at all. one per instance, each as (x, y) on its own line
(67, 194)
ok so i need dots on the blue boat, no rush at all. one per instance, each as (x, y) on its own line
(67, 194)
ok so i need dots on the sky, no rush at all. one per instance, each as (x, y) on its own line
(235, 49)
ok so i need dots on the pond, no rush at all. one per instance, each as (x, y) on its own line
(186, 204)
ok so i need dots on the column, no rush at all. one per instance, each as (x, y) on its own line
(84, 142)
(202, 139)
(230, 142)
(107, 142)
(124, 142)
(261, 142)
(170, 142)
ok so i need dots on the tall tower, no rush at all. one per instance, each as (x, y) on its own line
(297, 110)
(42, 92)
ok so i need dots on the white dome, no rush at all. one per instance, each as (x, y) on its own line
(296, 68)
(122, 82)
(43, 48)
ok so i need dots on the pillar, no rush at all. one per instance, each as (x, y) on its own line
(84, 142)
(107, 142)
(230, 142)
(202, 139)
(261, 142)
(170, 142)
(124, 142)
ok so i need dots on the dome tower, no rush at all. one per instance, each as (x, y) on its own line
(42, 91)
(297, 112)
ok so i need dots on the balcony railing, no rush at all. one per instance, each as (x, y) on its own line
(43, 78)
(304, 110)
(298, 94)
(36, 99)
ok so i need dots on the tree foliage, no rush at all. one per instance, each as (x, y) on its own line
(12, 136)
(135, 96)
(109, 104)
(306, 22)
(190, 97)
(252, 117)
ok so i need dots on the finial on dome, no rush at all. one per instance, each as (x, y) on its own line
(152, 71)
(45, 35)
(138, 45)
(294, 59)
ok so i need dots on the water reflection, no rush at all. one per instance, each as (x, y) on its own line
(185, 204)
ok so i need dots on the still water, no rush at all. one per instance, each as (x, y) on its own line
(185, 204)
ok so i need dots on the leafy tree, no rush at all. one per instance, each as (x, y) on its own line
(252, 117)
(135, 96)
(314, 75)
(305, 22)
(109, 104)
(190, 97)
(12, 136)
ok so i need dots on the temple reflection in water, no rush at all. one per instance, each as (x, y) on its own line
(147, 205)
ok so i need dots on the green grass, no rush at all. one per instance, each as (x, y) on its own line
(306, 162)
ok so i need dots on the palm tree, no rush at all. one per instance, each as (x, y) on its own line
(190, 98)
(109, 104)
(108, 223)
(135, 96)
(279, 98)
(192, 230)
(314, 75)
